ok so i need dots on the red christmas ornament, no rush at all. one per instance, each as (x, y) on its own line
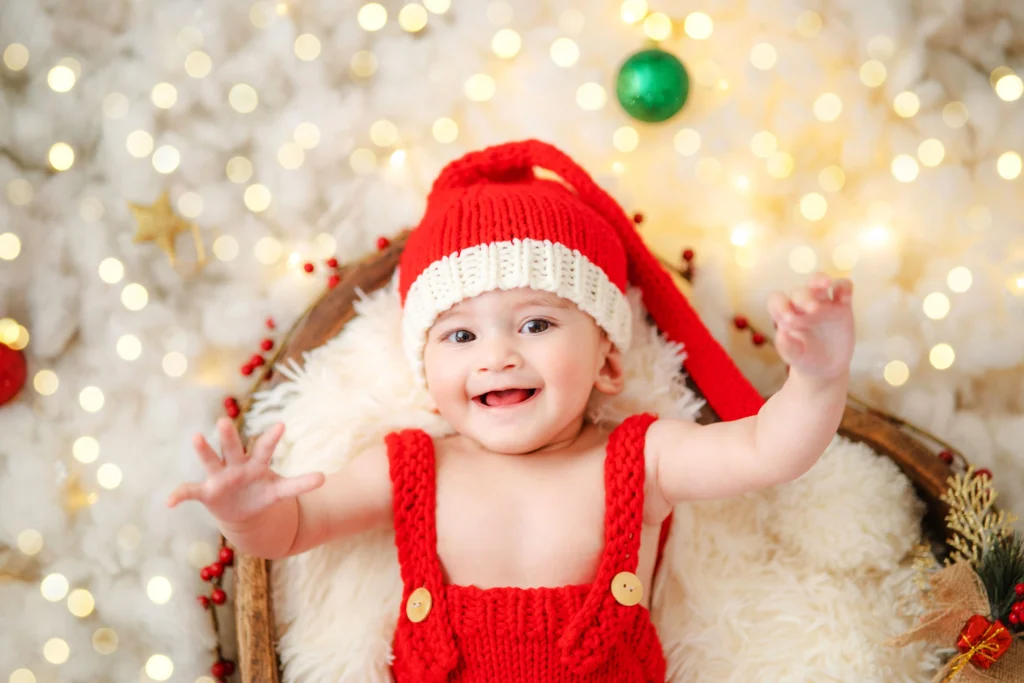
(227, 556)
(383, 243)
(267, 344)
(256, 360)
(740, 322)
(333, 281)
(983, 473)
(308, 267)
(638, 218)
(332, 263)
(687, 255)
(988, 640)
(219, 670)
(757, 338)
(270, 323)
(204, 601)
(247, 369)
(1019, 590)
(13, 373)
(216, 569)
(946, 456)
(205, 574)
(219, 597)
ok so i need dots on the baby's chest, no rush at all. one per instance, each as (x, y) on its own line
(498, 527)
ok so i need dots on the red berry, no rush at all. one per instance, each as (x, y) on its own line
(219, 670)
(230, 401)
(270, 323)
(205, 574)
(230, 666)
(227, 556)
(1014, 618)
(740, 322)
(232, 411)
(308, 267)
(688, 255)
(638, 218)
(219, 597)
(1019, 590)
(383, 243)
(204, 601)
(247, 369)
(332, 263)
(757, 338)
(333, 281)
(217, 569)
(946, 456)
(267, 344)
(256, 360)
(983, 473)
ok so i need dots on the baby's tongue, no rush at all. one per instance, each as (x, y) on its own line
(507, 397)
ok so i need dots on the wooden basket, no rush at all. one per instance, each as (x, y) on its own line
(257, 658)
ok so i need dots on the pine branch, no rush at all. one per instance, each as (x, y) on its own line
(1001, 569)
(974, 524)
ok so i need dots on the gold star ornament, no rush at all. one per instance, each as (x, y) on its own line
(158, 223)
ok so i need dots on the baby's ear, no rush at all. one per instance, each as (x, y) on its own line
(611, 376)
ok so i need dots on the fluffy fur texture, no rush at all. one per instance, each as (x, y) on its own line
(795, 583)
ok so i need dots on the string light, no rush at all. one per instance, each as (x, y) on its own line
(134, 296)
(813, 206)
(91, 399)
(163, 95)
(955, 115)
(1009, 88)
(16, 56)
(763, 56)
(139, 143)
(257, 197)
(45, 382)
(907, 104)
(479, 87)
(159, 590)
(412, 18)
(111, 270)
(243, 98)
(56, 651)
(290, 155)
(828, 107)
(633, 11)
(81, 603)
(61, 156)
(687, 142)
(626, 139)
(875, 236)
(383, 133)
(268, 251)
(363, 64)
(872, 73)
(763, 144)
(998, 74)
(698, 26)
(959, 279)
(905, 168)
(166, 159)
(564, 52)
(54, 587)
(445, 130)
(936, 305)
(174, 364)
(657, 26)
(780, 165)
(363, 161)
(10, 246)
(506, 43)
(261, 14)
(306, 135)
(397, 158)
(190, 204)
(1009, 165)
(742, 234)
(803, 259)
(19, 191)
(109, 475)
(372, 16)
(198, 64)
(30, 542)
(896, 373)
(225, 248)
(591, 96)
(86, 449)
(60, 79)
(104, 641)
(931, 152)
(941, 356)
(831, 178)
(307, 47)
(159, 667)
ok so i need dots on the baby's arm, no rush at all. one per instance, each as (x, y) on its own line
(791, 430)
(269, 516)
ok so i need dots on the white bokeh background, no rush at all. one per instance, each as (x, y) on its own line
(878, 140)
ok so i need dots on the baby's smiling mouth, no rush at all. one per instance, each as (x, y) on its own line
(505, 397)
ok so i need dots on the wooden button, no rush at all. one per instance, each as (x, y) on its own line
(418, 606)
(627, 589)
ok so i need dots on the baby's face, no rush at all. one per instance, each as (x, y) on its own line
(544, 350)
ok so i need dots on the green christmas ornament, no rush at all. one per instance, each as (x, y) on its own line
(652, 85)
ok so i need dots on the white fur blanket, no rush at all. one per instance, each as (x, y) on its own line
(796, 583)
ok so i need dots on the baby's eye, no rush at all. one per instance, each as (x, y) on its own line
(543, 325)
(461, 336)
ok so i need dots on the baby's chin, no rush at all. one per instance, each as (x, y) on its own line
(509, 440)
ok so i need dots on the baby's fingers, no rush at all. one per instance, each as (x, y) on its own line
(188, 491)
(294, 486)
(211, 461)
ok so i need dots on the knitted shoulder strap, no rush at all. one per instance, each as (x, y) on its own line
(585, 641)
(426, 648)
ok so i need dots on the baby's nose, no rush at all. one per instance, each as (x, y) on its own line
(501, 355)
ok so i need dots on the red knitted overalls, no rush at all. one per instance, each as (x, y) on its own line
(571, 634)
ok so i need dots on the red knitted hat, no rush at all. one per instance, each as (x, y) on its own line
(491, 223)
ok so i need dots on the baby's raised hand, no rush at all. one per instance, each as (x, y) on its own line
(815, 332)
(239, 487)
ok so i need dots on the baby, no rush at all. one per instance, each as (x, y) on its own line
(527, 541)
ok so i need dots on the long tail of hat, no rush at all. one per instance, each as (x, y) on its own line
(727, 391)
